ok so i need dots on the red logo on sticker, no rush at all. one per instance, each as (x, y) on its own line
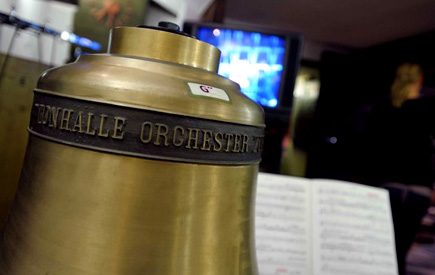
(205, 89)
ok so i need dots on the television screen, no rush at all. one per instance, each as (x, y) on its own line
(254, 60)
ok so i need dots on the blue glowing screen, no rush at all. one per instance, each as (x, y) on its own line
(254, 60)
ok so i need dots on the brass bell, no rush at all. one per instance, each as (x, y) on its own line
(139, 161)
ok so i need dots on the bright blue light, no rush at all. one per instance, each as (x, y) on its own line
(273, 102)
(254, 60)
(82, 41)
(73, 38)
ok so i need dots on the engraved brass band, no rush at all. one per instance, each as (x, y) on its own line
(143, 133)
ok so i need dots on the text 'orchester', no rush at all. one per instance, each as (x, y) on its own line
(146, 132)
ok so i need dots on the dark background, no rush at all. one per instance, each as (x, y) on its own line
(350, 85)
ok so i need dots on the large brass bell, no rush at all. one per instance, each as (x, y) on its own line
(139, 161)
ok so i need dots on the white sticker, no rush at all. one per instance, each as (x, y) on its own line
(208, 91)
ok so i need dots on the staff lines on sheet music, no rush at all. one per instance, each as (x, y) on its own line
(267, 247)
(332, 211)
(355, 204)
(347, 225)
(349, 248)
(358, 259)
(281, 227)
(349, 193)
(288, 199)
(295, 229)
(283, 240)
(261, 203)
(365, 238)
(279, 215)
(335, 270)
(375, 228)
(283, 260)
(285, 187)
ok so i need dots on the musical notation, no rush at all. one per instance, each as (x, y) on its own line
(322, 227)
(352, 229)
(282, 226)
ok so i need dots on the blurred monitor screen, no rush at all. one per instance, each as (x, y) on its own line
(254, 60)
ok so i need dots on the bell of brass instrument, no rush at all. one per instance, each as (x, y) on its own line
(139, 161)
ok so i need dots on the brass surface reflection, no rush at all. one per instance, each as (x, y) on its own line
(79, 211)
(140, 161)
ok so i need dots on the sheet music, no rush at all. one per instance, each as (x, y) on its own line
(283, 213)
(352, 230)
